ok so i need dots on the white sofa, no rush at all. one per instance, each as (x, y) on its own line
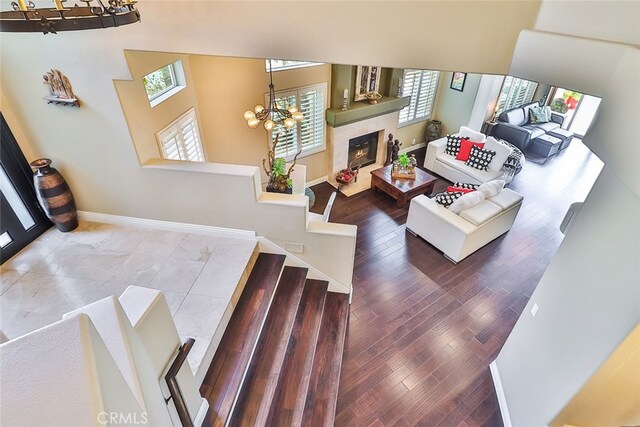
(460, 235)
(454, 170)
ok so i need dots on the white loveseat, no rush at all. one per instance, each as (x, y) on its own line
(460, 235)
(454, 170)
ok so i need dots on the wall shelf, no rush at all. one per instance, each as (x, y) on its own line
(364, 110)
(72, 102)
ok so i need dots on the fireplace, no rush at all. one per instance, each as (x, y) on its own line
(363, 150)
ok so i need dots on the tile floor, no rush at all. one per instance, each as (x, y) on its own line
(60, 272)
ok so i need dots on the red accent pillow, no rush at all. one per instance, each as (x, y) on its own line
(465, 149)
(451, 189)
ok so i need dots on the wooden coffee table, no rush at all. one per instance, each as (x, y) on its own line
(402, 190)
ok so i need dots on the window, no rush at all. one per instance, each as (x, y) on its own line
(309, 133)
(181, 139)
(165, 82)
(421, 85)
(515, 92)
(281, 64)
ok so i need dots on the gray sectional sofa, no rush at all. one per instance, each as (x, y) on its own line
(514, 126)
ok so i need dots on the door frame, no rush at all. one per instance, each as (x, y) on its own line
(19, 172)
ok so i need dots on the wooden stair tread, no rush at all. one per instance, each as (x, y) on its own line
(254, 400)
(320, 407)
(290, 395)
(225, 375)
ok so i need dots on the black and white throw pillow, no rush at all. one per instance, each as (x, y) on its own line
(480, 158)
(445, 199)
(465, 185)
(453, 144)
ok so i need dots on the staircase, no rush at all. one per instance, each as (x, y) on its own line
(279, 360)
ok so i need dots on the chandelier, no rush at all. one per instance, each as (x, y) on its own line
(25, 18)
(272, 115)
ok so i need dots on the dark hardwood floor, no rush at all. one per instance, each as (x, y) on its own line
(422, 331)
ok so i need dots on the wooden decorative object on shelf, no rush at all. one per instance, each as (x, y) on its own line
(60, 90)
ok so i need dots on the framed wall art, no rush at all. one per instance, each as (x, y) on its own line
(367, 80)
(457, 80)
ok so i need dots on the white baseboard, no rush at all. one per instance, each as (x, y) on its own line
(317, 181)
(502, 399)
(411, 148)
(181, 227)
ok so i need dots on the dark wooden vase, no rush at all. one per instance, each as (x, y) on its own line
(54, 195)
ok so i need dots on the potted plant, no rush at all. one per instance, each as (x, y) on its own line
(279, 176)
(404, 166)
(559, 106)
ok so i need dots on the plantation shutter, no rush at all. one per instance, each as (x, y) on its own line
(191, 138)
(312, 125)
(170, 145)
(421, 85)
(288, 141)
(428, 86)
(309, 134)
(410, 87)
(180, 140)
(515, 92)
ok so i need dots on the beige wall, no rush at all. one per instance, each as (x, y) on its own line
(604, 20)
(226, 88)
(407, 134)
(611, 397)
(143, 120)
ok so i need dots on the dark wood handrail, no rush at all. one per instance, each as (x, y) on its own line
(174, 387)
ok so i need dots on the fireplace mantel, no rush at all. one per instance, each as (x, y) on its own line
(359, 111)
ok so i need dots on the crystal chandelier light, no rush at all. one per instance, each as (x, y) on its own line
(26, 18)
(272, 115)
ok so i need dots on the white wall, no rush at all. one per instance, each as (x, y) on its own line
(485, 102)
(62, 374)
(588, 298)
(615, 21)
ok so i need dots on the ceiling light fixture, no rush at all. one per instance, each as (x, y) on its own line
(25, 18)
(272, 115)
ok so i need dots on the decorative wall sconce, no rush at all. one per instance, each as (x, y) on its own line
(60, 90)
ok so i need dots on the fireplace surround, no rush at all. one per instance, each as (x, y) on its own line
(338, 141)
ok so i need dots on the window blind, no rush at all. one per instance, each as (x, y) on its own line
(309, 133)
(180, 140)
(421, 85)
(515, 92)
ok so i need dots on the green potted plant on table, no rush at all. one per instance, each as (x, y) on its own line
(404, 166)
(279, 176)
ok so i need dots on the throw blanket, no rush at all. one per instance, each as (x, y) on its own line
(515, 161)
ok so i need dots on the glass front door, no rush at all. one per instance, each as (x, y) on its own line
(21, 218)
(578, 109)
